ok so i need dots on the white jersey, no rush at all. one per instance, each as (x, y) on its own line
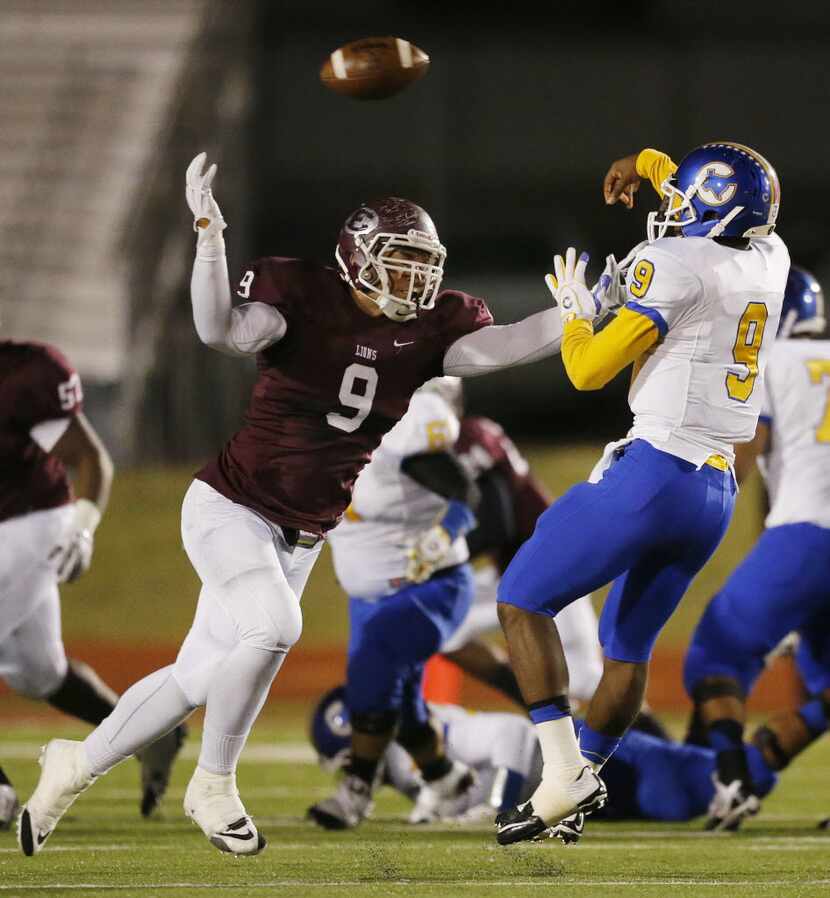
(698, 391)
(797, 408)
(390, 510)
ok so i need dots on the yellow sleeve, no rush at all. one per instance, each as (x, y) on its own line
(655, 166)
(591, 360)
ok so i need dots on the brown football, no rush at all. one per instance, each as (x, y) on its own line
(374, 68)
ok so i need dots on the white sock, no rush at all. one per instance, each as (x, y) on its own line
(555, 796)
(560, 750)
(235, 698)
(145, 712)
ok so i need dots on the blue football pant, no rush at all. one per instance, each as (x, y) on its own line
(392, 639)
(649, 525)
(781, 586)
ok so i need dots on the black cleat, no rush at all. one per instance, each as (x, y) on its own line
(156, 763)
(519, 825)
(569, 831)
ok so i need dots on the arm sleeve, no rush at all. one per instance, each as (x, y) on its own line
(503, 346)
(591, 360)
(442, 473)
(655, 166)
(242, 331)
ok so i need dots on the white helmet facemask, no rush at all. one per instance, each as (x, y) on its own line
(424, 274)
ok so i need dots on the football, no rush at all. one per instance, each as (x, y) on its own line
(374, 68)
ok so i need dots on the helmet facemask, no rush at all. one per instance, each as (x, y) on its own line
(384, 259)
(678, 212)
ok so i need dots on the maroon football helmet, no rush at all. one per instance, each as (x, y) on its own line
(392, 240)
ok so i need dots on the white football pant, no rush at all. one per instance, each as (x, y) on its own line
(32, 657)
(247, 618)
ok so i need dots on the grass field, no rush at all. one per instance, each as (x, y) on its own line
(103, 848)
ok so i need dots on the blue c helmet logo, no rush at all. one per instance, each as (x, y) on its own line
(714, 188)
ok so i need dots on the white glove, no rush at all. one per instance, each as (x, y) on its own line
(427, 553)
(569, 289)
(72, 556)
(207, 217)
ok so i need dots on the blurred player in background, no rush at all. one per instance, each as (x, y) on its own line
(649, 778)
(339, 351)
(511, 501)
(47, 523)
(699, 320)
(782, 585)
(400, 555)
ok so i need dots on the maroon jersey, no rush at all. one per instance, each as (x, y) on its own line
(485, 446)
(327, 392)
(37, 384)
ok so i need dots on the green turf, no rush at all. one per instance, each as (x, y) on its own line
(141, 585)
(104, 849)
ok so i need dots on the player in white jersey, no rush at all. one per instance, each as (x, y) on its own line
(400, 554)
(781, 586)
(701, 310)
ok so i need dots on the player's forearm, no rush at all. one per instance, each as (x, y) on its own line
(210, 294)
(655, 166)
(592, 360)
(504, 346)
(92, 477)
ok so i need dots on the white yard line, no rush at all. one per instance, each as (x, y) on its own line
(413, 883)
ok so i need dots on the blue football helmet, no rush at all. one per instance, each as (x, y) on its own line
(803, 308)
(720, 189)
(331, 730)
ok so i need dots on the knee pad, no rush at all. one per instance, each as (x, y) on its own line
(264, 608)
(766, 741)
(716, 687)
(373, 723)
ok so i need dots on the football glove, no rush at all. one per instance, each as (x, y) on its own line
(568, 287)
(610, 290)
(427, 553)
(73, 555)
(207, 217)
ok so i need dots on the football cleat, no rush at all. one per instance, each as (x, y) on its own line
(730, 806)
(156, 762)
(9, 805)
(523, 823)
(347, 808)
(438, 798)
(64, 775)
(212, 802)
(569, 831)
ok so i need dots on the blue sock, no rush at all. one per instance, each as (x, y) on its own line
(596, 747)
(726, 735)
(553, 708)
(814, 714)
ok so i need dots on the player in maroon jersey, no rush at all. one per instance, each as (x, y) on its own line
(339, 353)
(47, 524)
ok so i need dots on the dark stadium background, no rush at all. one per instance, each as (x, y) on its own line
(505, 142)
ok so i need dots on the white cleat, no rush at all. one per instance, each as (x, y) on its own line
(348, 807)
(64, 775)
(212, 802)
(439, 798)
(9, 806)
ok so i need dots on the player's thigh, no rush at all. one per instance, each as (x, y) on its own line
(482, 615)
(580, 543)
(32, 657)
(243, 565)
(302, 562)
(813, 653)
(775, 590)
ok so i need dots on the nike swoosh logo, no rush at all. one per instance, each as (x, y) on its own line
(399, 345)
(42, 837)
(243, 837)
